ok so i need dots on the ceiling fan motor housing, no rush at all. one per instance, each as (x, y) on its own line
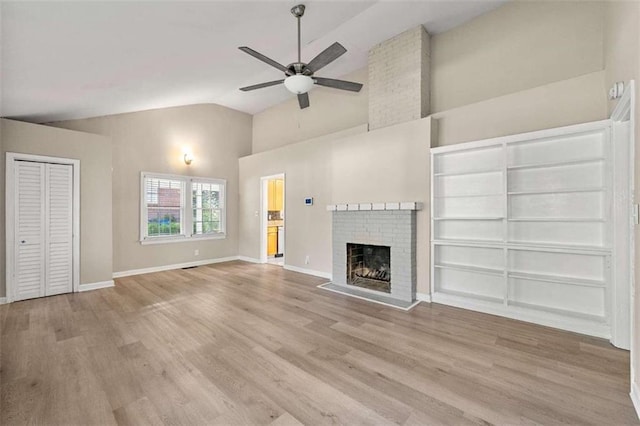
(299, 68)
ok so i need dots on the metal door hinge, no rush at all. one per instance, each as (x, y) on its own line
(635, 213)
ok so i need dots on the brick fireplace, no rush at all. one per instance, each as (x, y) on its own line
(363, 234)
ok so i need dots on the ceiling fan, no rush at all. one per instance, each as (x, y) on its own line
(299, 75)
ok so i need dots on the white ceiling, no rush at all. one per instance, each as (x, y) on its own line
(67, 60)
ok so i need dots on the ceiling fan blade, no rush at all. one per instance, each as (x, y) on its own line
(327, 56)
(264, 59)
(261, 85)
(338, 84)
(303, 100)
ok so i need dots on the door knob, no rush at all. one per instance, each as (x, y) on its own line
(23, 241)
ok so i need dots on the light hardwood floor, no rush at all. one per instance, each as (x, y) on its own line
(237, 343)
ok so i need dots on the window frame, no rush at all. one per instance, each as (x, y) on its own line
(186, 212)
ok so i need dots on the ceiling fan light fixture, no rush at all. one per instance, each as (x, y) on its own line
(298, 84)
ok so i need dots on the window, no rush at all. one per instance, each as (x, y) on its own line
(163, 199)
(178, 208)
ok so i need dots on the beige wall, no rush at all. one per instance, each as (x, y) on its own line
(153, 141)
(577, 100)
(94, 153)
(331, 110)
(525, 66)
(516, 47)
(389, 164)
(622, 63)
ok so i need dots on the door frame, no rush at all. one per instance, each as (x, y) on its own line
(623, 322)
(10, 198)
(264, 208)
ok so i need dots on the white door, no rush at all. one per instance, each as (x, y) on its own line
(43, 229)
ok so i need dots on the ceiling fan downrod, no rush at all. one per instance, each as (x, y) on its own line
(298, 12)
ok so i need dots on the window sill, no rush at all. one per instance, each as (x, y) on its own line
(182, 239)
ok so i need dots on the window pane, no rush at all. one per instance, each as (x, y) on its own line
(207, 202)
(163, 198)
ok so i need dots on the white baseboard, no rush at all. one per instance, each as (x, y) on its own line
(320, 274)
(95, 286)
(423, 297)
(635, 397)
(131, 272)
(249, 259)
(3, 300)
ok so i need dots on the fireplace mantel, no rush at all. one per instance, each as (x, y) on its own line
(405, 205)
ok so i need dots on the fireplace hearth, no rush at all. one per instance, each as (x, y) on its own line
(369, 266)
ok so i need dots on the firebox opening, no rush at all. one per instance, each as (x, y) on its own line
(369, 266)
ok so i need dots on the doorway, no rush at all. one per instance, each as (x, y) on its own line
(272, 239)
(42, 224)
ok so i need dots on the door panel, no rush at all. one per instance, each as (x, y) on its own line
(59, 242)
(29, 230)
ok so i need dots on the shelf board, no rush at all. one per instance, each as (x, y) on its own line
(514, 245)
(560, 279)
(498, 300)
(555, 219)
(557, 191)
(564, 247)
(468, 173)
(468, 196)
(556, 163)
(470, 218)
(475, 243)
(558, 311)
(471, 268)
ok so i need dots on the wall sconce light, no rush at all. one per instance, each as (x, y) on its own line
(188, 158)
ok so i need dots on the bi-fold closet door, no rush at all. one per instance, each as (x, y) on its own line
(43, 229)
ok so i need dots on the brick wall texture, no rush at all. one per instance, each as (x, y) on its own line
(399, 79)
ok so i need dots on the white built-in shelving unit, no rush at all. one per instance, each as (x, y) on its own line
(522, 226)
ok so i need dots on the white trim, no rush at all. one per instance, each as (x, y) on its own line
(182, 239)
(320, 274)
(635, 397)
(623, 320)
(520, 137)
(402, 205)
(3, 300)
(96, 286)
(10, 215)
(408, 308)
(624, 107)
(423, 297)
(575, 325)
(249, 259)
(162, 268)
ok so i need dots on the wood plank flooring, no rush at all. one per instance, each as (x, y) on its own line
(238, 343)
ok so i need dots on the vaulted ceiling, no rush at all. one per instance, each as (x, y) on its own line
(66, 60)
